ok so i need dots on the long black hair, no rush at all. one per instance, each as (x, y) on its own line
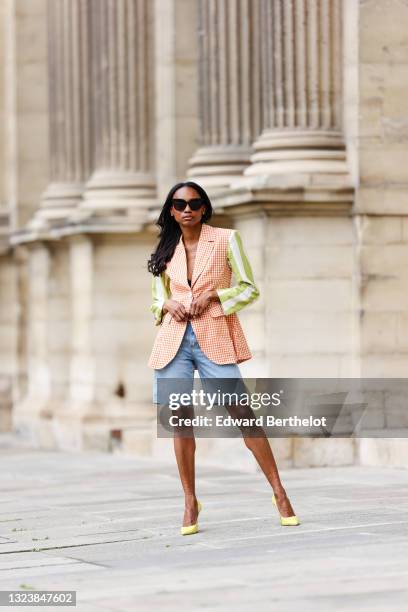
(170, 229)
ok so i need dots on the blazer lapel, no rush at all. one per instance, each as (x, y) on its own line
(205, 247)
(177, 267)
(178, 264)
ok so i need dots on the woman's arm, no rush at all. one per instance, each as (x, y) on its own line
(245, 291)
(160, 293)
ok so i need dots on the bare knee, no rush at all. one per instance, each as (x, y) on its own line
(249, 440)
(252, 437)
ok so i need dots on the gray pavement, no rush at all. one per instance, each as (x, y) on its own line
(107, 526)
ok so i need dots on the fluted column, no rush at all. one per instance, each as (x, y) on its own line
(70, 155)
(302, 85)
(229, 90)
(122, 184)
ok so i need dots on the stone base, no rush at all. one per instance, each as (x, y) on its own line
(5, 404)
(34, 428)
(323, 452)
(75, 432)
(215, 167)
(384, 452)
(288, 452)
(5, 417)
(291, 152)
(136, 441)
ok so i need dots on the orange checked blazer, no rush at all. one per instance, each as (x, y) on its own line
(219, 336)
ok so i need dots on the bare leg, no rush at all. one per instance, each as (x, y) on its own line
(262, 452)
(185, 447)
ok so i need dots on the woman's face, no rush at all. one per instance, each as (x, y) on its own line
(187, 217)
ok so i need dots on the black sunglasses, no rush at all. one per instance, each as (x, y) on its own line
(180, 204)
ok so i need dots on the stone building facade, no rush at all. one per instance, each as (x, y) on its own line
(291, 113)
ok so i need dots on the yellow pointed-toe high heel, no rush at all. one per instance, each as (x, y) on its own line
(286, 520)
(190, 529)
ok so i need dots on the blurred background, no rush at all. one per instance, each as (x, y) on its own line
(291, 114)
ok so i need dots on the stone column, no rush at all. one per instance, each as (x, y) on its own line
(69, 110)
(229, 90)
(4, 212)
(302, 85)
(122, 185)
(175, 92)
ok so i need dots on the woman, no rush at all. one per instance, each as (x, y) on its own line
(195, 307)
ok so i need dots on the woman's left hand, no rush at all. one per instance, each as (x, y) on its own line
(199, 304)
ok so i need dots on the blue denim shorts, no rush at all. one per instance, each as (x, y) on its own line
(190, 357)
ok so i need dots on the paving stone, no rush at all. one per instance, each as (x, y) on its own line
(107, 526)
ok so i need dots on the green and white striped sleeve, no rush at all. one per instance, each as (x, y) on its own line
(160, 293)
(245, 291)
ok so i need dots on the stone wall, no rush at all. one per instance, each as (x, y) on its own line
(381, 211)
(301, 144)
(8, 344)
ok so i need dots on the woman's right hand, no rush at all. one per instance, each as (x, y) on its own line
(176, 310)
